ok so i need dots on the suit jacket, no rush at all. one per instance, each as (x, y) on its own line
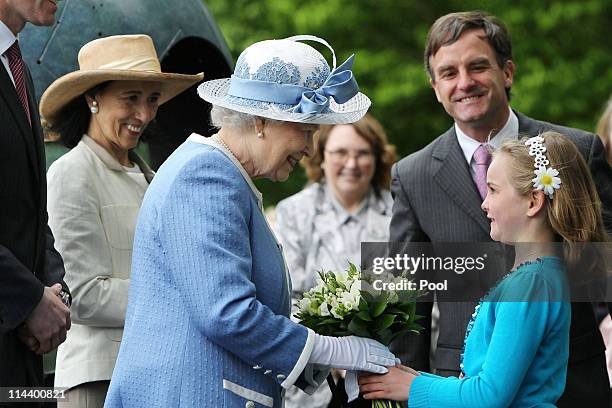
(440, 174)
(207, 321)
(93, 206)
(28, 260)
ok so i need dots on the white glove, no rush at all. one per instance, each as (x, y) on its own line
(352, 387)
(351, 353)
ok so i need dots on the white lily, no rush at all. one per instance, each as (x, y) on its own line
(324, 309)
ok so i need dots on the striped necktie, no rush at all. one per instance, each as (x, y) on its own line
(482, 159)
(17, 68)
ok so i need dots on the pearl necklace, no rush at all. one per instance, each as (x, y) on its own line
(218, 139)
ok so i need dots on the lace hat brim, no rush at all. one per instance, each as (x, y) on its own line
(215, 92)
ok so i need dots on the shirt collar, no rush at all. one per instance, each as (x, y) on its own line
(343, 215)
(508, 132)
(7, 38)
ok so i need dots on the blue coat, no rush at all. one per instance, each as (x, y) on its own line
(207, 321)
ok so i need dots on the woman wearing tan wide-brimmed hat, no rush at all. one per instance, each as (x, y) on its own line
(95, 192)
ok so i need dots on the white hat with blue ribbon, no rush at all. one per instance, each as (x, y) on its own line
(288, 80)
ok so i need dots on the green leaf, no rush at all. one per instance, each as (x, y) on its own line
(328, 321)
(399, 334)
(366, 297)
(364, 315)
(384, 336)
(416, 327)
(357, 327)
(407, 307)
(417, 317)
(384, 321)
(363, 305)
(394, 310)
(377, 308)
(352, 270)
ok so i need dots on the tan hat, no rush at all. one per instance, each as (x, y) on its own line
(115, 58)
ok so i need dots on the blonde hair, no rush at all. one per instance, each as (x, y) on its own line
(372, 131)
(574, 212)
(604, 130)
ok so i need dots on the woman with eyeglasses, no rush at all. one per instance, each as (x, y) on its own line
(347, 202)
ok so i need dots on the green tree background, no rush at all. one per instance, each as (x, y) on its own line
(561, 49)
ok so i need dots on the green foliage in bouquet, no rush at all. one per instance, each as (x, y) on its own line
(342, 304)
(345, 303)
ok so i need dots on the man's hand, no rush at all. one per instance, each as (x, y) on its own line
(25, 335)
(48, 322)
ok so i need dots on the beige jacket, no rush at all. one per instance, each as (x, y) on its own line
(93, 207)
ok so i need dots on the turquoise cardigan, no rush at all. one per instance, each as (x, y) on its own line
(516, 352)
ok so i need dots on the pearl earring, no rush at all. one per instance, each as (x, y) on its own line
(260, 135)
(94, 107)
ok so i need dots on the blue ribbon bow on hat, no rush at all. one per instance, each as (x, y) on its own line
(340, 85)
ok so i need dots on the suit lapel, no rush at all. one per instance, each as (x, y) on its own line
(11, 101)
(36, 130)
(528, 126)
(451, 172)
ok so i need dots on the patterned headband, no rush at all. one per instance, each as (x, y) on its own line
(546, 178)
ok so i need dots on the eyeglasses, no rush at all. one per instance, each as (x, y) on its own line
(342, 155)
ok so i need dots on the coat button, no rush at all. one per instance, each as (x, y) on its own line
(257, 367)
(267, 372)
(249, 404)
(281, 377)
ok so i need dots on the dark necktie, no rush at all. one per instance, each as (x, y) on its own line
(17, 68)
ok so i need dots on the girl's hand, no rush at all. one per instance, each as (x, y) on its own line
(395, 385)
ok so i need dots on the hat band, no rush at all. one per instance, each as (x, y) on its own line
(145, 63)
(341, 85)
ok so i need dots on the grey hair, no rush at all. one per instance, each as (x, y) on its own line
(224, 117)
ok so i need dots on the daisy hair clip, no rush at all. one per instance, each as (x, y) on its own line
(546, 178)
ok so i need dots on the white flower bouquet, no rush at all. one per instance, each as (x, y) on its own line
(344, 304)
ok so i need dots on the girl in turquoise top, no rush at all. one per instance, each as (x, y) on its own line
(516, 352)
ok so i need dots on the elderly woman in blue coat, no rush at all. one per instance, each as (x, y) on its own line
(207, 322)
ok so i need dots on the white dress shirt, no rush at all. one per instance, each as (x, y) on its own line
(7, 38)
(469, 145)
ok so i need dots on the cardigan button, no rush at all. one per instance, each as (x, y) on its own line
(280, 377)
(267, 372)
(249, 404)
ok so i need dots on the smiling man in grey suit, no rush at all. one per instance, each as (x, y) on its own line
(439, 189)
(34, 315)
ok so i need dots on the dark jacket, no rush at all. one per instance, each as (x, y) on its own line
(28, 260)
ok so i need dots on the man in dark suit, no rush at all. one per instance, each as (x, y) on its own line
(34, 313)
(438, 190)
